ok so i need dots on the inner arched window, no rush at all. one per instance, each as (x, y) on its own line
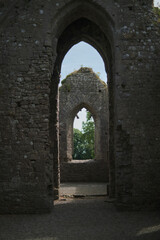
(83, 136)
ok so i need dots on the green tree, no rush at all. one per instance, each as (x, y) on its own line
(88, 130)
(78, 144)
(83, 141)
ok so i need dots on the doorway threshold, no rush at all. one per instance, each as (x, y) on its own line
(83, 189)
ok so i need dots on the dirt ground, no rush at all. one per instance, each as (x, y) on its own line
(82, 219)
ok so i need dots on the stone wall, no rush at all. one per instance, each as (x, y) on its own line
(83, 88)
(35, 36)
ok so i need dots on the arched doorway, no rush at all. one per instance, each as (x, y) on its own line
(84, 22)
(31, 63)
(83, 89)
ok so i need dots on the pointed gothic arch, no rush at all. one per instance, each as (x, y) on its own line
(87, 22)
(83, 89)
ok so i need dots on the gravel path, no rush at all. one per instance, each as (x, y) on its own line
(82, 219)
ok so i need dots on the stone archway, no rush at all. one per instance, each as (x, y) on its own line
(83, 88)
(35, 36)
(81, 26)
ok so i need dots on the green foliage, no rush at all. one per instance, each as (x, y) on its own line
(83, 141)
(67, 86)
(63, 81)
(78, 144)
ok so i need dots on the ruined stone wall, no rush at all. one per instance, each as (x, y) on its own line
(81, 89)
(32, 46)
(26, 162)
(137, 82)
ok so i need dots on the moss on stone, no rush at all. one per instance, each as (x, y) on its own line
(156, 11)
(81, 70)
(64, 80)
(104, 84)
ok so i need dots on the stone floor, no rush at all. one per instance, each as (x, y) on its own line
(90, 218)
(83, 189)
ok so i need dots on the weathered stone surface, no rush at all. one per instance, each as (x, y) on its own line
(35, 36)
(83, 88)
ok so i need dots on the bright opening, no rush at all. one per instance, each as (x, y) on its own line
(83, 55)
(84, 136)
(157, 3)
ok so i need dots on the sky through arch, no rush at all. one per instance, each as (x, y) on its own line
(156, 3)
(83, 55)
(81, 118)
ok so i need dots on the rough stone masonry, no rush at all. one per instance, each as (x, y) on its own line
(83, 89)
(34, 38)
